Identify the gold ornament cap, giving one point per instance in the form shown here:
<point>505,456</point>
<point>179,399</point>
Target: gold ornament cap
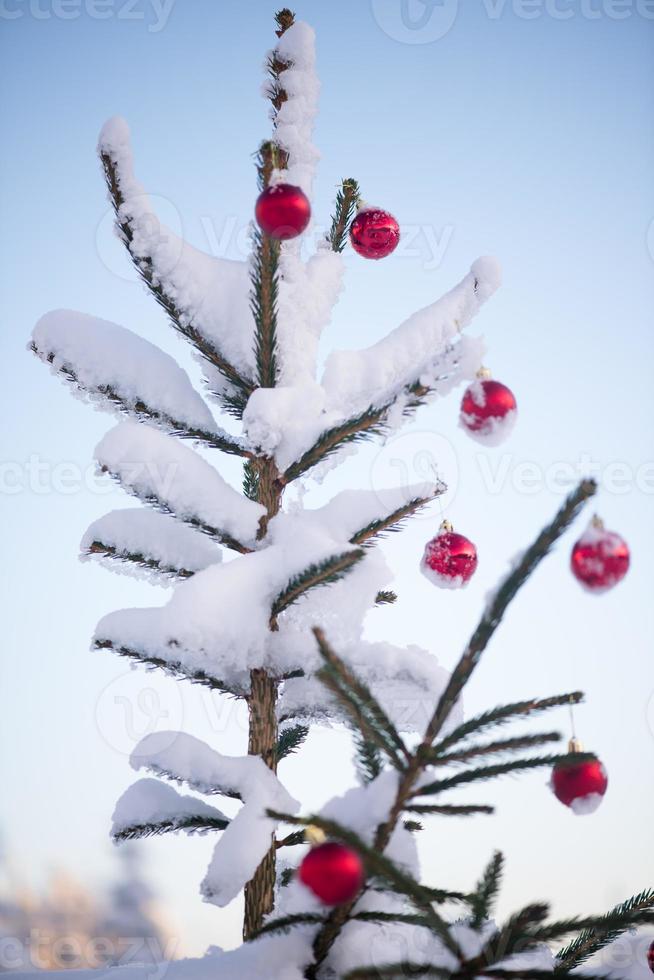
<point>574,745</point>
<point>484,373</point>
<point>446,527</point>
<point>597,522</point>
<point>314,835</point>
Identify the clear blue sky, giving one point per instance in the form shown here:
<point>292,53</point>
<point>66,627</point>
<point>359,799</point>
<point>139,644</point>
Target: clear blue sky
<point>528,138</point>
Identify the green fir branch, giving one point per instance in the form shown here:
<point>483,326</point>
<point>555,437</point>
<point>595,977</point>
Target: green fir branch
<point>526,974</point>
<point>368,758</point>
<point>290,740</point>
<point>286,923</point>
<point>264,294</point>
<point>514,936</point>
<point>489,622</point>
<point>484,895</point>
<point>251,480</point>
<point>295,839</point>
<point>501,769</point>
<point>379,866</point>
<point>594,937</point>
<point>413,826</point>
<point>265,259</point>
<point>104,550</point>
<point>323,573</point>
<point>495,748</point>
<point>502,715</point>
<point>399,971</point>
<point>188,824</point>
<point>360,722</point>
<point>348,202</point>
<point>276,93</point>
<point>285,877</point>
<point>398,918</point>
<point>385,598</point>
<point>338,676</point>
<point>174,668</point>
<point>394,521</point>
<point>449,809</point>
<point>356,429</point>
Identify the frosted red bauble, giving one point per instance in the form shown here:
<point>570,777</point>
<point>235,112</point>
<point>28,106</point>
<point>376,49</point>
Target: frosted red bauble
<point>488,411</point>
<point>600,558</point>
<point>580,785</point>
<point>333,872</point>
<point>450,559</point>
<point>374,233</point>
<point>283,211</point>
<point>650,957</point>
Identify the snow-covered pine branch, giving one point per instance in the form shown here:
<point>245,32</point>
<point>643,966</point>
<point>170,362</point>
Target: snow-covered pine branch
<point>122,373</point>
<point>162,472</point>
<point>206,297</point>
<point>149,808</point>
<point>409,360</point>
<point>218,622</point>
<point>373,391</point>
<point>147,543</point>
<point>247,837</point>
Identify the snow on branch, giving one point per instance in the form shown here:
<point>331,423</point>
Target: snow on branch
<point>161,471</point>
<point>164,658</point>
<point>371,392</point>
<point>324,443</point>
<point>206,298</point>
<point>408,356</point>
<point>186,759</point>
<point>294,92</point>
<point>150,807</point>
<point>305,292</point>
<point>147,543</point>
<point>322,573</point>
<point>127,375</point>
<point>248,836</point>
<point>219,620</point>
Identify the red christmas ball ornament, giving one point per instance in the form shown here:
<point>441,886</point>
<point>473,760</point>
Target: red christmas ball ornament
<point>650,957</point>
<point>374,233</point>
<point>600,558</point>
<point>579,785</point>
<point>488,410</point>
<point>333,872</point>
<point>283,211</point>
<point>450,559</point>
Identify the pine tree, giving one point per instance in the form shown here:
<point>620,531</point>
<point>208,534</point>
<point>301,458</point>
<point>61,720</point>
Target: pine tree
<point>279,624</point>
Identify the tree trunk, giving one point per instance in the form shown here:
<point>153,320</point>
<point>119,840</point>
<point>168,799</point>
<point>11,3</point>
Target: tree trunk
<point>260,891</point>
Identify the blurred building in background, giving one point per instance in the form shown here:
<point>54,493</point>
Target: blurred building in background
<point>68,926</point>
